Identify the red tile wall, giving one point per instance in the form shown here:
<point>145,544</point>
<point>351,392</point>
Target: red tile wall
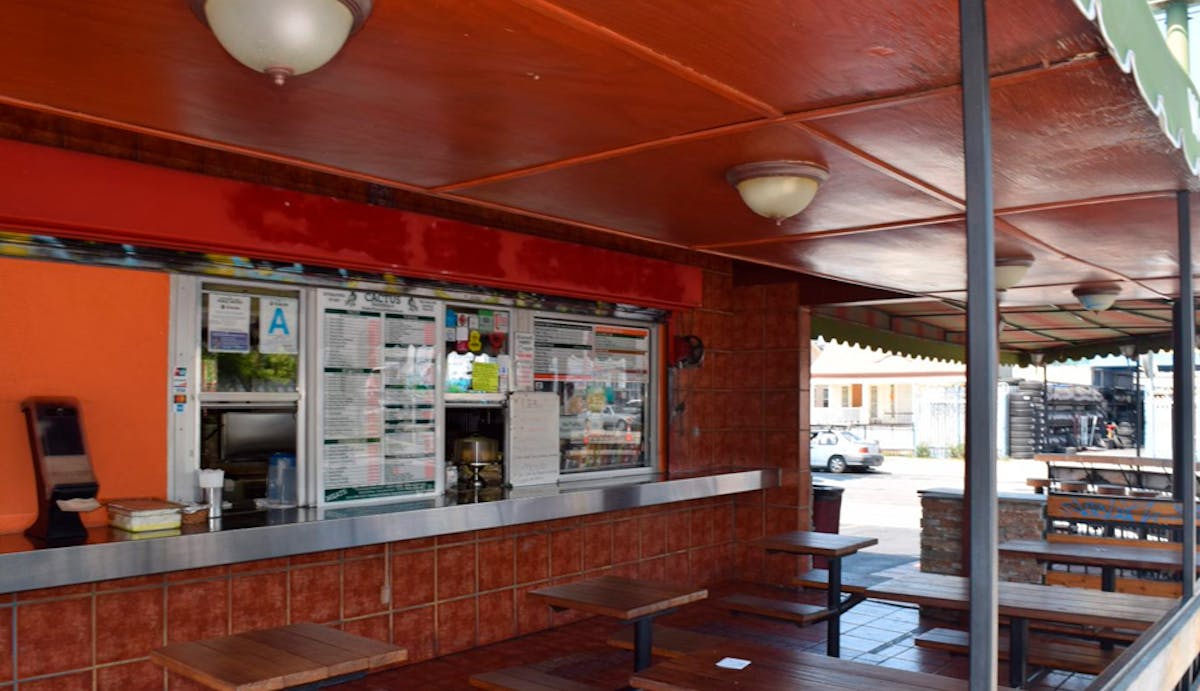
<point>432,596</point>
<point>748,405</point>
<point>745,406</point>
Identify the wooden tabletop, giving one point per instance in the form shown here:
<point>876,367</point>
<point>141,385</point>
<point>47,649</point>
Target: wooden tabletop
<point>618,597</point>
<point>1122,557</point>
<point>814,543</point>
<point>1031,601</point>
<point>277,658</point>
<point>772,669</point>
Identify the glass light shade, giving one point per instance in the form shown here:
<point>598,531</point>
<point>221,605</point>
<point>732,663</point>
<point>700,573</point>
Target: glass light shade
<point>280,37</point>
<point>1097,299</point>
<point>1010,271</point>
<point>777,189</point>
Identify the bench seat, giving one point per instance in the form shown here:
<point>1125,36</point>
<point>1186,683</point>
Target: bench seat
<point>819,580</point>
<point>669,641</point>
<point>1054,652</point>
<point>797,612</point>
<point>526,679</point>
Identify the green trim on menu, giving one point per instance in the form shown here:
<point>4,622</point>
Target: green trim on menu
<point>1139,48</point>
<point>376,491</point>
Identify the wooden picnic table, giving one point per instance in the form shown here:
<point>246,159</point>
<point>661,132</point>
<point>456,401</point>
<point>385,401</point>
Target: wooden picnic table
<point>277,658</point>
<point>771,669</point>
<point>627,599</point>
<point>1108,557</point>
<point>1022,602</point>
<point>833,547</point>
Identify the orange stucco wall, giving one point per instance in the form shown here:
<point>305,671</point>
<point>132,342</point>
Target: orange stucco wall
<point>97,334</point>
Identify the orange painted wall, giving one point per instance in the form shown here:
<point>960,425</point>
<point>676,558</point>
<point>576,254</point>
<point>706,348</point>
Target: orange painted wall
<point>100,335</point>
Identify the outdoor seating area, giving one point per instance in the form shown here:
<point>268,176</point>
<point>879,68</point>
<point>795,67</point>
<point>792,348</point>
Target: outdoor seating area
<point>656,635</point>
<point>596,653</point>
<point>680,638</point>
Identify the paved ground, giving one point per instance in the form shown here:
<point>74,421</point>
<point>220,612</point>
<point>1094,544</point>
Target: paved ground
<point>883,503</point>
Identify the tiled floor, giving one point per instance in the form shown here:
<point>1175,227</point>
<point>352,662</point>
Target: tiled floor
<point>873,632</point>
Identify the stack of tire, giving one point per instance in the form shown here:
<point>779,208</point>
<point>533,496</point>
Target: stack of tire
<point>1026,418</point>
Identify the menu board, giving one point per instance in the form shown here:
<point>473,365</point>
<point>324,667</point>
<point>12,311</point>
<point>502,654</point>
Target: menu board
<point>377,395</point>
<point>601,374</point>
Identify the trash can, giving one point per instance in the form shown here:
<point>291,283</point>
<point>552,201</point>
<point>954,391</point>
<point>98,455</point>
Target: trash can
<point>827,508</point>
<point>827,513</point>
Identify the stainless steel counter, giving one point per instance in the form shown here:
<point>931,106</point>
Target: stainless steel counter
<point>110,553</point>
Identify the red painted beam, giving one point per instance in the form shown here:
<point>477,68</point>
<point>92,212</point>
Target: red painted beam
<point>73,195</point>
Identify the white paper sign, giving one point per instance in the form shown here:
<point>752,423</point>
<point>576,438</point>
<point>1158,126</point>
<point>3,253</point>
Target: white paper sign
<point>277,325</point>
<point>228,323</point>
<point>533,455</point>
<point>733,663</point>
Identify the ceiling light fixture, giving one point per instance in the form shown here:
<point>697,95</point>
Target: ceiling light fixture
<point>1097,298</point>
<point>1010,271</point>
<point>777,189</point>
<point>282,38</point>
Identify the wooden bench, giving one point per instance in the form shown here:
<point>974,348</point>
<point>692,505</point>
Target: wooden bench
<point>526,679</point>
<point>818,579</point>
<point>797,612</point>
<point>1055,652</point>
<point>669,642</point>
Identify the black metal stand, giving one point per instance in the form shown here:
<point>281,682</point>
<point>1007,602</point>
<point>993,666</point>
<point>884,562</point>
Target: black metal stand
<point>833,601</point>
<point>1018,651</point>
<point>643,642</point>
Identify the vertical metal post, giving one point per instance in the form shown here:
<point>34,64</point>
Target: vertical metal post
<point>982,346</point>
<point>1184,410</point>
<point>1137,397</point>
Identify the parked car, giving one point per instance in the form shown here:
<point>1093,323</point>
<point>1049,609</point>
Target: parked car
<point>836,451</point>
<point>612,418</point>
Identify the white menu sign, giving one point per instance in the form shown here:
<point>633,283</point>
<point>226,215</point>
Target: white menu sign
<point>377,395</point>
<point>533,438</point>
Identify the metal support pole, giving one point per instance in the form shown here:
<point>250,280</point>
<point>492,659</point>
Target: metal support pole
<point>1184,410</point>
<point>1137,397</point>
<point>982,347</point>
<point>1177,32</point>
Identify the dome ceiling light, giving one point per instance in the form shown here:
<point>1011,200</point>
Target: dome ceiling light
<point>1010,271</point>
<point>282,38</point>
<point>1097,298</point>
<point>777,189</point>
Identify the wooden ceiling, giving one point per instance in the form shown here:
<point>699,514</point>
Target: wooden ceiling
<point>615,121</point>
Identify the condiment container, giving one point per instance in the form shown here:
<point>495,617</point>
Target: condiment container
<point>138,515</point>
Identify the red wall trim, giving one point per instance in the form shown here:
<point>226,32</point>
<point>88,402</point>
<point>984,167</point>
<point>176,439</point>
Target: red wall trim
<point>89,197</point>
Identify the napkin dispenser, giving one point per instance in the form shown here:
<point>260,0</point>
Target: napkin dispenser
<point>66,485</point>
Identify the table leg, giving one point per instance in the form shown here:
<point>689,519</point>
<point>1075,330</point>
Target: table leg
<point>1108,583</point>
<point>833,601</point>
<point>1108,578</point>
<point>643,642</point>
<point>1018,639</point>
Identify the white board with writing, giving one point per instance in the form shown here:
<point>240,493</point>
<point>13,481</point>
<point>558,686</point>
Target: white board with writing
<point>533,446</point>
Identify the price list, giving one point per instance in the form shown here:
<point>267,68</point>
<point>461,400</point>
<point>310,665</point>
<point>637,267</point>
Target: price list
<point>378,396</point>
